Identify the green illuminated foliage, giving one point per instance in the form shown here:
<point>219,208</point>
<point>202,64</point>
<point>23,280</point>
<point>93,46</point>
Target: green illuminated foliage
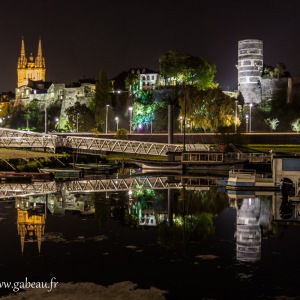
<point>192,70</point>
<point>207,110</point>
<point>79,115</point>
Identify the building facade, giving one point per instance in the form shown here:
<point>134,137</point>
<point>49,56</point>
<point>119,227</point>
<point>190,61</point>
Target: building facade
<point>31,68</point>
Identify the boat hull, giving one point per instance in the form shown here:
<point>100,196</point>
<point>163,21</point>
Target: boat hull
<point>161,167</point>
<point>248,180</point>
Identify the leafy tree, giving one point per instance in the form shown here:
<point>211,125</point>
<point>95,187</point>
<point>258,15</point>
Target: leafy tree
<point>277,72</point>
<point>207,109</point>
<point>280,71</point>
<point>80,115</point>
<point>183,67</point>
<point>296,125</point>
<point>101,99</point>
<point>34,117</point>
<point>273,123</point>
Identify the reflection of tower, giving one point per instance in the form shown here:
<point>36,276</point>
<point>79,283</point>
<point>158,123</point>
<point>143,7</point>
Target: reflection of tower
<point>250,67</point>
<point>248,234</point>
<point>31,68</point>
<point>31,225</point>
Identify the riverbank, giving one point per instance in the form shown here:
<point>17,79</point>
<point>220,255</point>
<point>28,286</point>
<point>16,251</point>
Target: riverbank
<point>7,153</point>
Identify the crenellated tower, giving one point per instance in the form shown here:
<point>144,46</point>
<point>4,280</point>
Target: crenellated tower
<point>31,68</point>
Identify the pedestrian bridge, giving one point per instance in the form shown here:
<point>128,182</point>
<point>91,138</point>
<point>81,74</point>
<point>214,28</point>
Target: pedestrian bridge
<point>11,190</point>
<point>10,138</point>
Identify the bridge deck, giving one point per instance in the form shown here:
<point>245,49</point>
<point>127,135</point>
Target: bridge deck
<point>27,139</point>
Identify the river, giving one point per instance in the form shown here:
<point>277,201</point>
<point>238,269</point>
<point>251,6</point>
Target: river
<point>151,239</point>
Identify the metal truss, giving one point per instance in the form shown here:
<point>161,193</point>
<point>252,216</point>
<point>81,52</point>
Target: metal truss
<point>84,186</point>
<point>124,184</point>
<point>10,138</point>
<point>100,185</point>
<point>125,146</point>
<point>10,190</point>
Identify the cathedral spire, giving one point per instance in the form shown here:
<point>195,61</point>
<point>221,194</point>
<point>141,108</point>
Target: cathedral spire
<point>23,48</point>
<point>39,60</point>
<point>39,54</point>
<point>22,61</point>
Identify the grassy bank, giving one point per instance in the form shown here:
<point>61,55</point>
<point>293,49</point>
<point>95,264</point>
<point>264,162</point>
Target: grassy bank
<point>284,148</point>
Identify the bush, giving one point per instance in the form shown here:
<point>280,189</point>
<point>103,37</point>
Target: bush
<point>121,134</point>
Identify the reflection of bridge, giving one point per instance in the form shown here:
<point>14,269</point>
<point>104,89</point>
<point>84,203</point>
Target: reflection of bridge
<point>84,186</point>
<point>26,139</point>
<point>100,185</point>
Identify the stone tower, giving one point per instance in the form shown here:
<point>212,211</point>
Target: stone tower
<point>31,68</point>
<point>250,67</point>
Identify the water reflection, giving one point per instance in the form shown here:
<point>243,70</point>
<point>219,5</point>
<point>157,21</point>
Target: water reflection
<point>30,221</point>
<point>183,210</point>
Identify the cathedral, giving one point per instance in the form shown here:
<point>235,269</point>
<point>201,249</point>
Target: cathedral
<point>31,68</point>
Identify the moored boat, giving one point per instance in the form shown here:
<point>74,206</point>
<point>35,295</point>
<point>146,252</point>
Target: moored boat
<point>25,176</point>
<point>247,179</point>
<point>209,162</point>
<point>64,173</point>
<point>162,166</point>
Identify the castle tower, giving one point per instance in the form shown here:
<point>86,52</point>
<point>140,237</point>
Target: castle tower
<point>250,67</point>
<point>31,68</point>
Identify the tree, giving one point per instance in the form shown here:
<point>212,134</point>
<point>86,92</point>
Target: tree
<point>272,123</point>
<point>34,117</point>
<point>296,125</point>
<point>79,116</point>
<point>183,67</point>
<point>207,110</point>
<point>101,99</point>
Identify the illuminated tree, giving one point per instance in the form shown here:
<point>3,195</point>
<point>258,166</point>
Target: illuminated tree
<point>296,125</point>
<point>79,115</point>
<point>208,109</point>
<point>181,67</point>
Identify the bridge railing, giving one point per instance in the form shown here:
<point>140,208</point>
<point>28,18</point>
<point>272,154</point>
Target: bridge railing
<point>10,138</point>
<point>128,146</point>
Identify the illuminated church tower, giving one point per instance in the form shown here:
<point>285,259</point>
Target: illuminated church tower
<point>31,68</point>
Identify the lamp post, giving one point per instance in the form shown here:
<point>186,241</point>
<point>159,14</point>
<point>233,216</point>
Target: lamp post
<point>130,120</point>
<point>250,117</point>
<point>107,105</point>
<point>181,120</point>
<point>117,120</point>
<point>57,123</point>
<point>77,116</point>
<point>46,119</point>
<point>235,122</point>
<point>151,122</point>
<point>27,120</point>
<point>247,119</point>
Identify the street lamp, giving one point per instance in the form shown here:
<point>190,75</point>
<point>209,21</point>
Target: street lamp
<point>130,121</point>
<point>107,105</point>
<point>117,120</point>
<point>57,123</point>
<point>247,119</point>
<point>235,122</point>
<point>77,116</point>
<point>250,117</point>
<point>181,120</point>
<point>151,122</point>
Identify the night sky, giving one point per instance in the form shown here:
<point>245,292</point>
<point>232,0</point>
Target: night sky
<point>80,38</point>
